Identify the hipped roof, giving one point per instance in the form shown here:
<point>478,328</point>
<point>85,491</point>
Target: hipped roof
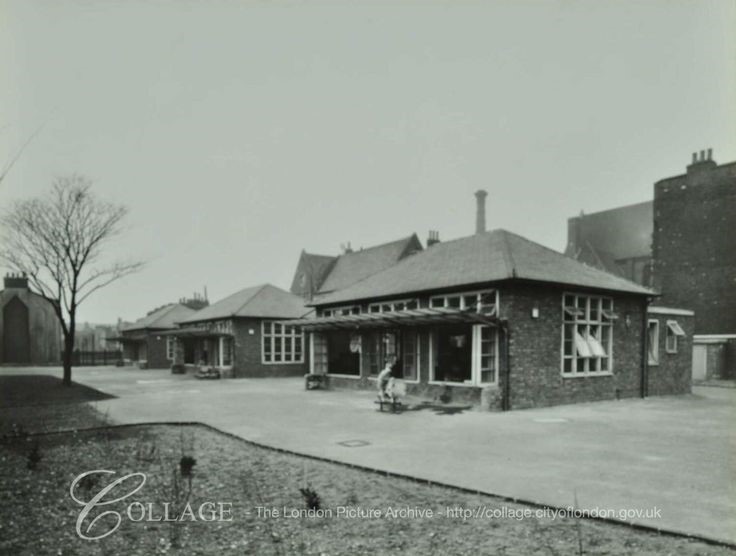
<point>487,257</point>
<point>264,301</point>
<point>161,318</point>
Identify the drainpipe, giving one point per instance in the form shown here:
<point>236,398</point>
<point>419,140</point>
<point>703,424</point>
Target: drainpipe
<point>506,403</point>
<point>645,349</point>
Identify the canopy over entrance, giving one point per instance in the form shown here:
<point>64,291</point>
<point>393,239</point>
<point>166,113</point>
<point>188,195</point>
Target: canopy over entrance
<point>194,332</point>
<point>409,317</point>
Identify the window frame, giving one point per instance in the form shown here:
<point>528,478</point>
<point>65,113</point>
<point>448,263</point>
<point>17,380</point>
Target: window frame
<point>381,305</point>
<point>462,295</point>
<point>576,316</point>
<point>170,348</point>
<point>653,355</point>
<point>282,336</point>
<point>475,358</point>
<point>672,331</point>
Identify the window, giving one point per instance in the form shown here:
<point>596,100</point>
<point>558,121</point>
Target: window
<point>482,302</point>
<point>587,335</point>
<point>341,311</point>
<point>281,344</point>
<point>226,351</point>
<point>653,341</point>
<point>319,354</point>
<point>409,354</point>
<point>170,348</point>
<point>390,306</point>
<point>465,354</point>
<point>673,331</point>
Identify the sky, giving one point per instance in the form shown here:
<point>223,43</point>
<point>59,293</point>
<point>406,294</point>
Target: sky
<point>240,132</point>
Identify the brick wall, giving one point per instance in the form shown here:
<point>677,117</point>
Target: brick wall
<point>693,247</point>
<point>673,373</point>
<point>535,350</point>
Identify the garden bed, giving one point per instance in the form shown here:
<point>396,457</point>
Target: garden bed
<point>37,514</point>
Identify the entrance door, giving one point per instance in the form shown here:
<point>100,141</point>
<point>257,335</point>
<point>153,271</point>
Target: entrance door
<point>700,362</point>
<point>16,333</point>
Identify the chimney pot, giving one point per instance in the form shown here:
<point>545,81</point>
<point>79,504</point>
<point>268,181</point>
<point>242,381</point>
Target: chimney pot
<point>710,154</point>
<point>702,156</point>
<point>480,215</point>
<point>695,157</point>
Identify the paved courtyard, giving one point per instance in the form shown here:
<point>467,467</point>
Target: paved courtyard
<point>673,453</point>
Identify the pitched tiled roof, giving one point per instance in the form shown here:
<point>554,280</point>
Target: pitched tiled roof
<point>258,301</point>
<point>161,318</point>
<point>310,272</point>
<point>357,265</point>
<point>486,257</point>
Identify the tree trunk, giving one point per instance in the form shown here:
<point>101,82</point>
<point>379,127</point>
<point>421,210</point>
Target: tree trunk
<point>68,354</point>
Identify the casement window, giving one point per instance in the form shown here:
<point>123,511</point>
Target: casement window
<point>391,306</point>
<point>653,341</point>
<point>484,302</point>
<point>226,351</point>
<point>587,335</point>
<point>170,348</point>
<point>674,330</point>
<point>341,311</point>
<point>464,354</point>
<point>318,357</point>
<point>281,344</point>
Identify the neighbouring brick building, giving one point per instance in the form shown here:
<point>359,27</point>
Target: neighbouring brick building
<point>493,319</point>
<point>144,343</point>
<point>241,335</point>
<point>29,328</point>
<point>694,250</point>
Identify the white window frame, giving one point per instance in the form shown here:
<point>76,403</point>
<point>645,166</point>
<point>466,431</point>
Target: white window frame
<point>296,333</point>
<point>221,352</point>
<point>170,348</point>
<point>653,343</point>
<point>340,311</point>
<point>475,358</point>
<point>591,346</point>
<point>672,332</point>
<point>462,295</point>
<point>381,305</point>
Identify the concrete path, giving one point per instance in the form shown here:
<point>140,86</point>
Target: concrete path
<point>673,453</point>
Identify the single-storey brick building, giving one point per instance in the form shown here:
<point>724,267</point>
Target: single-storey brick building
<point>493,319</point>
<point>144,342</point>
<point>241,335</point>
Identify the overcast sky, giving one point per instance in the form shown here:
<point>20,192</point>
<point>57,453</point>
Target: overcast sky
<point>239,133</point>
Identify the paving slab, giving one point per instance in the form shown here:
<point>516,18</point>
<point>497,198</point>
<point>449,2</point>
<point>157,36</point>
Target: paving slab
<point>675,454</point>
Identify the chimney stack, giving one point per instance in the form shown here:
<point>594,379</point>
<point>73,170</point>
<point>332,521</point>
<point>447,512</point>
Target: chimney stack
<point>480,216</point>
<point>702,160</point>
<point>434,237</point>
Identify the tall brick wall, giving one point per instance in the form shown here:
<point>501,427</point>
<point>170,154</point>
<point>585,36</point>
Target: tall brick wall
<point>535,350</point>
<point>694,249</point>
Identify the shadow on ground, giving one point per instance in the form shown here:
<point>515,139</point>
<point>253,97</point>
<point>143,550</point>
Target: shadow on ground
<point>28,390</point>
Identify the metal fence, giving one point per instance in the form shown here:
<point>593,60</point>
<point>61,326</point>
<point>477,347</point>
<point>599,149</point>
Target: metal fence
<point>90,358</point>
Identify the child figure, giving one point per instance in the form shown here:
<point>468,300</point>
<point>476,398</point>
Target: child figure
<point>384,377</point>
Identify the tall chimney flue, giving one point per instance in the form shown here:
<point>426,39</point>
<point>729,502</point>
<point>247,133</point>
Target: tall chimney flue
<point>480,215</point>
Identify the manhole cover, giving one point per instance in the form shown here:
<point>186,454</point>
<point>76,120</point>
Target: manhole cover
<point>353,443</point>
<point>550,420</point>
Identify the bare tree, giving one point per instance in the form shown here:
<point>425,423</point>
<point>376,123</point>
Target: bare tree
<point>58,242</point>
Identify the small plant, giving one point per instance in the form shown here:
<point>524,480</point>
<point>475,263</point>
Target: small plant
<point>186,465</point>
<point>311,498</point>
<point>34,456</point>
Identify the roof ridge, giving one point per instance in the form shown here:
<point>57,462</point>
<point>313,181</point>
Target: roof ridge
<point>508,257</point>
<point>364,249</point>
<point>259,289</point>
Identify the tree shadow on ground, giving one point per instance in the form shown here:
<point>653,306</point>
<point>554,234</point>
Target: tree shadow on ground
<point>30,390</point>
